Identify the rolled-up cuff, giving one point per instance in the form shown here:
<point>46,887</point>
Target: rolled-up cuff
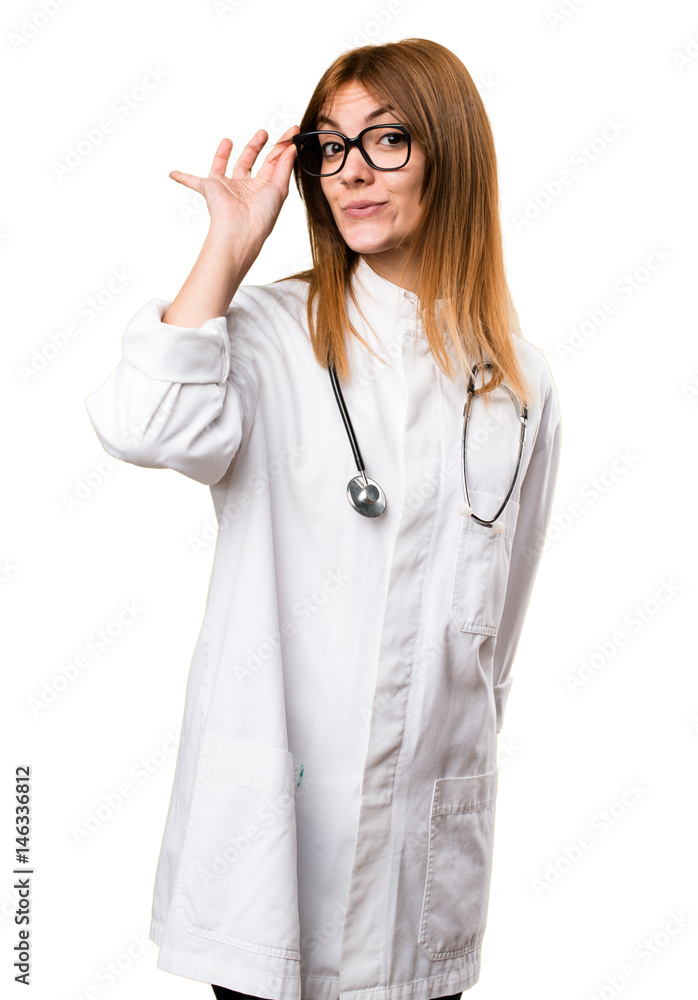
<point>170,353</point>
<point>501,693</point>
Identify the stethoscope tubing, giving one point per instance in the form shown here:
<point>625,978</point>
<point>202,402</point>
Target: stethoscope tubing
<point>523,417</point>
<point>347,419</point>
<point>357,491</point>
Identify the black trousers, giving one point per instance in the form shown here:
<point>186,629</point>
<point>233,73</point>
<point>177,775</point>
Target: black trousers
<point>222,993</point>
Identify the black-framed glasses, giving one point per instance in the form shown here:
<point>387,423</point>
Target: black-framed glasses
<point>323,153</point>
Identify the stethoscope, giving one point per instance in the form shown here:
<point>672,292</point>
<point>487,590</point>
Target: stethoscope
<point>366,496</point>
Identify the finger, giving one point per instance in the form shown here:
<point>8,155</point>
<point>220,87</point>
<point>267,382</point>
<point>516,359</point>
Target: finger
<point>189,180</point>
<point>220,160</point>
<point>243,165</point>
<point>279,154</point>
<point>283,168</point>
<point>277,169</point>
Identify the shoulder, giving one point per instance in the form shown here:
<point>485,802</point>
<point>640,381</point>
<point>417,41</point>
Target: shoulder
<point>545,403</point>
<point>271,307</point>
<point>535,365</point>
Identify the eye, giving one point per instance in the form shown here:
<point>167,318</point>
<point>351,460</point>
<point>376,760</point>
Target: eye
<point>331,148</point>
<point>398,136</point>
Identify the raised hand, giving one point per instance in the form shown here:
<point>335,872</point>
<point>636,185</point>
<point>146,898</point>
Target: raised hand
<point>244,207</point>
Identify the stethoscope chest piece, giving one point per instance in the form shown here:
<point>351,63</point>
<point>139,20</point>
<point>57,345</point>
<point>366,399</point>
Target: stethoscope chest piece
<point>366,496</point>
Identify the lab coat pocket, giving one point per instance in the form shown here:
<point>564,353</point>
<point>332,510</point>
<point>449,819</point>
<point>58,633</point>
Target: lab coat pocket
<point>461,841</point>
<point>482,565</point>
<point>237,879</point>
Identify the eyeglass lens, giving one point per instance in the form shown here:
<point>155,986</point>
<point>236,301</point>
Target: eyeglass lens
<point>322,152</point>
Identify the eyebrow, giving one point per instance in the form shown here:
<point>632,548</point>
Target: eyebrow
<point>369,117</point>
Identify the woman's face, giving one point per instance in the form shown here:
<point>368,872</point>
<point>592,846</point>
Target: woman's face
<point>386,233</point>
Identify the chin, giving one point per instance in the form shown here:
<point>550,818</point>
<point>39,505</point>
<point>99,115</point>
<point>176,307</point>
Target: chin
<point>365,243</point>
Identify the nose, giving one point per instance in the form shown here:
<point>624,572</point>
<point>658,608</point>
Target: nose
<point>355,167</point>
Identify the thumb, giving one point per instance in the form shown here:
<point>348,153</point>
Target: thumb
<point>188,180</point>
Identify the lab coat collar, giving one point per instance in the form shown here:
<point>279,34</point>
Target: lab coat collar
<point>386,293</point>
<point>403,302</point>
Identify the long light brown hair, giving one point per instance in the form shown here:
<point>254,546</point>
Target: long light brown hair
<point>457,245</point>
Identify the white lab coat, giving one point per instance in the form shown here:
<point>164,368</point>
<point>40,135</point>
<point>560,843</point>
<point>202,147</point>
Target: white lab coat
<point>330,831</point>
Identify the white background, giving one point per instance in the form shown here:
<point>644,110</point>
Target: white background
<point>616,585</point>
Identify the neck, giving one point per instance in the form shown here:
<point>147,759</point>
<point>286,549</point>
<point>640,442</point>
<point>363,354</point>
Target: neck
<point>390,264</point>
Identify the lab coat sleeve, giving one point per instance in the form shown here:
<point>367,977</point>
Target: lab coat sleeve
<point>535,508</point>
<point>181,398</point>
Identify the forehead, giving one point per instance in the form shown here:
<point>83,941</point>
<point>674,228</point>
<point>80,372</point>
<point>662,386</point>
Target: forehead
<point>352,101</point>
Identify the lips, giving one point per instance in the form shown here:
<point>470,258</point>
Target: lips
<point>362,209</point>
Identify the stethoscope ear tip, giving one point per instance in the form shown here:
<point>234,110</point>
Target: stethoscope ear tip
<point>464,509</point>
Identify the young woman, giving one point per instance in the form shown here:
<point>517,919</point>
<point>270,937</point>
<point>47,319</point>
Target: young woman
<point>331,826</point>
